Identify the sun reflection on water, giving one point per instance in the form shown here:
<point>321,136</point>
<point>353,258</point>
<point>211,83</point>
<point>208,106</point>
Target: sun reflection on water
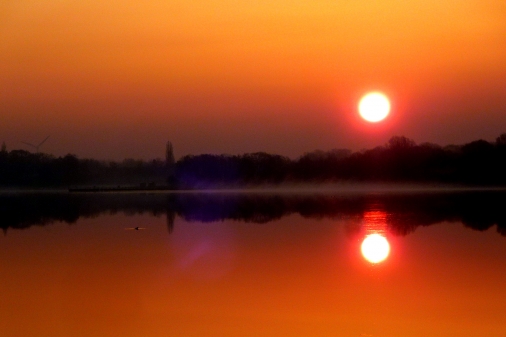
<point>375,222</point>
<point>375,247</point>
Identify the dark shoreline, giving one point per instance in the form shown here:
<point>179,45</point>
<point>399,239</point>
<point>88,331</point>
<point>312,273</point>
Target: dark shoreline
<point>120,189</point>
<point>343,187</point>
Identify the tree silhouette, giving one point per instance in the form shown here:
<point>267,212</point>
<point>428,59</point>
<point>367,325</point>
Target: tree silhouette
<point>399,160</point>
<point>400,142</point>
<point>501,140</point>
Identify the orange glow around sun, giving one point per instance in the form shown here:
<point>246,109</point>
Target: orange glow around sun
<point>374,107</point>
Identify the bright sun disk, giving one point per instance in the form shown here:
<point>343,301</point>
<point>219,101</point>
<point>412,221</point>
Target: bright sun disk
<point>374,107</point>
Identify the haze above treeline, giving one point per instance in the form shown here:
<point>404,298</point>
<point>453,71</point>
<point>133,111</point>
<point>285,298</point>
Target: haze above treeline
<point>400,160</point>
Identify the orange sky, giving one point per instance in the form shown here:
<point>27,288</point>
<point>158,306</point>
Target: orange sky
<point>118,79</point>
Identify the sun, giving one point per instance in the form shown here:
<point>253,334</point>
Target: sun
<point>375,248</point>
<point>374,107</point>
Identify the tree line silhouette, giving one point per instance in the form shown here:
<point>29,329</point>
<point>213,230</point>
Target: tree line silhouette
<point>400,160</point>
<point>402,213</point>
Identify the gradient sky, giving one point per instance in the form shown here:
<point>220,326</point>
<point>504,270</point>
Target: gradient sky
<point>116,79</point>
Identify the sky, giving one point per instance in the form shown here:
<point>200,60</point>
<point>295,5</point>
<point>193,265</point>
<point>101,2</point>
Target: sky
<point>118,79</point>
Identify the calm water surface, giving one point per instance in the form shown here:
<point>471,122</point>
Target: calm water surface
<point>252,264</point>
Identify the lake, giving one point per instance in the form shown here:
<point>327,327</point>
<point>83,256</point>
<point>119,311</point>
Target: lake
<point>275,263</point>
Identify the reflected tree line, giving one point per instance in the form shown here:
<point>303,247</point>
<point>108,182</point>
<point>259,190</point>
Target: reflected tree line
<point>403,212</point>
<point>399,160</point>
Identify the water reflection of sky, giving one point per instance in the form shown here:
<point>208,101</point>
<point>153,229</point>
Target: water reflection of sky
<point>294,276</point>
